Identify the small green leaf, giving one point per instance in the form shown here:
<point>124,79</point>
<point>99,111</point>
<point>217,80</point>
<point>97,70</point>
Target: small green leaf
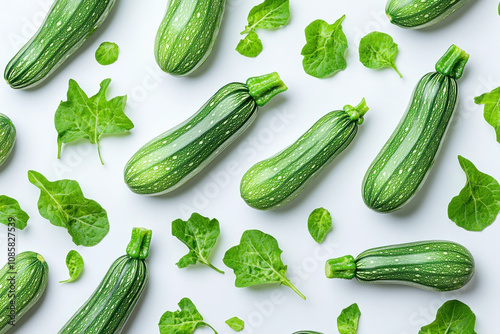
<point>107,53</point>
<point>74,262</point>
<point>325,48</point>
<point>271,14</point>
<point>453,317</point>
<point>10,211</point>
<point>347,321</point>
<point>184,321</point>
<point>378,50</point>
<point>478,203</point>
<point>250,46</point>
<point>199,234</point>
<point>319,224</point>
<point>491,103</point>
<point>236,324</point>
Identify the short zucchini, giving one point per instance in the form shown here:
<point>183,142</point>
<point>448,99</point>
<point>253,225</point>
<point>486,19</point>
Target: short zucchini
<point>431,265</point>
<point>111,304</point>
<point>69,23</point>
<point>399,170</point>
<point>7,137</point>
<point>276,181</point>
<point>28,278</point>
<point>187,34</point>
<point>171,159</point>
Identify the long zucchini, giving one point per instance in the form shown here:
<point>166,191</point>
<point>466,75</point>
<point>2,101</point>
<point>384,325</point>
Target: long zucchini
<point>7,137</point>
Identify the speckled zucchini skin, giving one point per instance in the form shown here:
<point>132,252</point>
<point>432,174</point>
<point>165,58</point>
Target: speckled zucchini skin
<point>7,137</point>
<point>187,34</point>
<point>67,26</point>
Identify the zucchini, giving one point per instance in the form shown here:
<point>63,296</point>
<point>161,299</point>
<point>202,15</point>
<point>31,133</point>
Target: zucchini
<point>7,137</point>
<point>187,34</point>
<point>400,169</point>
<point>172,158</point>
<point>415,14</point>
<point>69,23</point>
<point>31,274</point>
<point>431,265</point>
<point>276,181</point>
<point>111,304</point>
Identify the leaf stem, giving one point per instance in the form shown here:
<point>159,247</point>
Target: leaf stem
<point>214,268</point>
<point>99,152</point>
<point>397,71</point>
<point>208,325</point>
<point>289,284</point>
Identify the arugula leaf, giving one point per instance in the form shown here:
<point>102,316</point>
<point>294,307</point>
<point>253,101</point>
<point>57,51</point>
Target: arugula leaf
<point>478,203</point>
<point>491,103</point>
<point>107,53</point>
<point>74,262</point>
<point>63,204</point>
<point>378,50</point>
<point>250,46</point>
<point>257,260</point>
<point>453,317</point>
<point>236,324</point>
<point>319,224</point>
<point>199,234</point>
<point>184,321</point>
<point>348,320</point>
<point>271,14</point>
<point>81,117</point>
<point>325,48</point>
<point>10,211</point>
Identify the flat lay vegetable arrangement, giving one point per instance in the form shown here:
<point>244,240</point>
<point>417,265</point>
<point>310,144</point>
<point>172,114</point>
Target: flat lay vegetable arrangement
<point>231,220</point>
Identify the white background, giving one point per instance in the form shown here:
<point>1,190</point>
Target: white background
<point>158,101</point>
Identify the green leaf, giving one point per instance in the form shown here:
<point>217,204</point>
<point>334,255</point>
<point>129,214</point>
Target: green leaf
<point>74,262</point>
<point>271,14</point>
<point>10,211</point>
<point>491,103</point>
<point>81,117</point>
<point>236,324</point>
<point>378,50</point>
<point>250,46</point>
<point>184,321</point>
<point>257,260</point>
<point>107,53</point>
<point>199,234</point>
<point>347,321</point>
<point>63,204</point>
<point>478,203</point>
<point>453,317</point>
<point>325,48</point>
<point>319,224</point>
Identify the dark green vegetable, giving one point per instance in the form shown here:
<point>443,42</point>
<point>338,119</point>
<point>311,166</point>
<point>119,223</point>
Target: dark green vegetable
<point>378,50</point>
<point>74,262</point>
<point>184,321</point>
<point>7,137</point>
<point>107,53</point>
<point>11,212</point>
<point>491,102</point>
<point>453,317</point>
<point>319,224</point>
<point>348,320</point>
<point>236,324</point>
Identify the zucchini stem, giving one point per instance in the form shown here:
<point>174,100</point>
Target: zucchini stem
<point>356,113</point>
<point>341,267</point>
<point>138,247</point>
<point>265,87</point>
<point>453,62</point>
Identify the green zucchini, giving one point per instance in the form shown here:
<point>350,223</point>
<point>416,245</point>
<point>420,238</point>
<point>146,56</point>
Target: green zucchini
<point>415,14</point>
<point>111,304</point>
<point>28,276</point>
<point>431,265</point>
<point>276,181</point>
<point>7,137</point>
<point>187,34</point>
<point>172,158</point>
<point>69,23</point>
<point>399,170</point>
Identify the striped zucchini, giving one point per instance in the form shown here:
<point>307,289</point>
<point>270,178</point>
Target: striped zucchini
<point>431,265</point>
<point>111,304</point>
<point>171,159</point>
<point>67,26</point>
<point>7,137</point>
<point>276,181</point>
<point>187,34</point>
<point>404,162</point>
<point>28,278</point>
<point>415,14</point>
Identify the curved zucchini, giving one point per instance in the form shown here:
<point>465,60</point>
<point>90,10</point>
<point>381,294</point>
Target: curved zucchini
<point>67,26</point>
<point>431,265</point>
<point>415,14</point>
<point>7,137</point>
<point>276,181</point>
<point>171,159</point>
<point>111,304</point>
<point>30,281</point>
<point>187,34</point>
<point>399,170</point>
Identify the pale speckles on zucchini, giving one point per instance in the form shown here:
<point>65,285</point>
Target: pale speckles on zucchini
<point>7,137</point>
